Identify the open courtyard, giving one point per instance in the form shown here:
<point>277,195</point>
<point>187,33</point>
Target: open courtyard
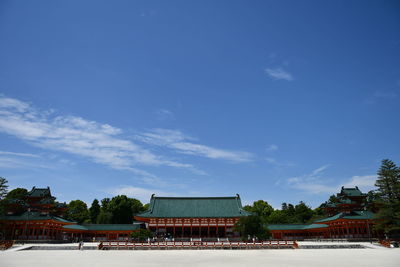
<point>276,257</point>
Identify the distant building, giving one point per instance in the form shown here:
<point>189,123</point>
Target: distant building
<point>37,200</point>
<point>348,200</point>
<point>193,216</point>
<point>347,218</point>
<point>37,217</point>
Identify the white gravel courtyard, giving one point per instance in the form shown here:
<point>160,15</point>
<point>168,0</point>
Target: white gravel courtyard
<point>283,257</point>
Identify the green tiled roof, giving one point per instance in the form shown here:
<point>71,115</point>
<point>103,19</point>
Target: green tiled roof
<point>194,207</point>
<point>295,226</point>
<point>345,200</point>
<point>360,215</point>
<point>103,227</point>
<point>33,216</point>
<point>355,215</point>
<point>39,192</point>
<point>353,192</point>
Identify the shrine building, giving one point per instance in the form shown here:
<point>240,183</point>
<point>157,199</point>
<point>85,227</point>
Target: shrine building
<point>38,216</point>
<point>347,218</point>
<point>193,216</point>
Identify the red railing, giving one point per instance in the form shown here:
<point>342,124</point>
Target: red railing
<point>198,245</point>
<point>385,243</point>
<point>6,244</point>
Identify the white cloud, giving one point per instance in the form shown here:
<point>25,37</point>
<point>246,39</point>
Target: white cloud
<point>272,147</point>
<point>381,96</point>
<point>181,143</point>
<point>275,162</point>
<point>102,143</point>
<point>319,170</point>
<point>164,114</point>
<point>10,162</point>
<point>279,74</point>
<point>143,194</point>
<point>365,183</point>
<point>314,183</point>
<point>18,154</point>
<point>385,94</point>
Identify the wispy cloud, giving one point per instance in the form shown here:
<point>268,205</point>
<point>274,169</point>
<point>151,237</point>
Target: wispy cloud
<point>277,163</point>
<point>311,182</point>
<point>143,194</point>
<point>366,182</point>
<point>316,183</point>
<point>12,160</point>
<point>164,114</point>
<point>279,74</point>
<point>272,147</point>
<point>381,95</point>
<point>181,143</point>
<point>18,154</point>
<point>102,143</point>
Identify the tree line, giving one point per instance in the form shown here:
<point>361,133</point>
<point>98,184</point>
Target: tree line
<point>384,201</point>
<point>118,210</point>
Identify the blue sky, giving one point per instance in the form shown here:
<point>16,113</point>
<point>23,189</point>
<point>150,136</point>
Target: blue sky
<point>276,100</point>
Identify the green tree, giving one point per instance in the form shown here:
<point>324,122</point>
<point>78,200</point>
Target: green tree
<point>104,217</point>
<point>3,187</point>
<point>278,217</point>
<point>333,199</point>
<point>388,181</point>
<point>123,209</point>
<point>262,208</point>
<point>303,213</point>
<point>388,194</point>
<point>94,211</point>
<point>17,193</point>
<point>252,226</point>
<point>77,211</point>
<point>142,235</point>
<point>146,206</point>
<point>3,193</point>
<point>104,203</point>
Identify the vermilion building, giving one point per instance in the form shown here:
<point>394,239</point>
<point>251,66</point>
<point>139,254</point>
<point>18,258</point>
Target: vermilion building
<point>193,216</point>
<point>348,219</point>
<point>35,217</point>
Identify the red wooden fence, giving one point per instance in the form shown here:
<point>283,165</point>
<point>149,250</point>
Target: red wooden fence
<point>198,245</point>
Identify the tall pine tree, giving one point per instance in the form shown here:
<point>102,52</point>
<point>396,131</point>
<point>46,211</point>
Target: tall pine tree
<point>94,211</point>
<point>388,184</point>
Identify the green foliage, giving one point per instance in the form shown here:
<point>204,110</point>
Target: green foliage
<point>142,235</point>
<point>146,206</point>
<point>120,209</point>
<point>388,181</point>
<point>17,193</point>
<point>300,213</point>
<point>3,193</point>
<point>252,226</point>
<point>262,208</point>
<point>77,211</point>
<point>3,187</point>
<point>388,198</point>
<point>303,213</point>
<point>94,211</point>
<point>104,203</point>
<point>333,199</point>
<point>104,217</point>
<point>278,217</point>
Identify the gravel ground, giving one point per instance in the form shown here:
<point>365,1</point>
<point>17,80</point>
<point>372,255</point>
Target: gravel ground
<point>283,257</point>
